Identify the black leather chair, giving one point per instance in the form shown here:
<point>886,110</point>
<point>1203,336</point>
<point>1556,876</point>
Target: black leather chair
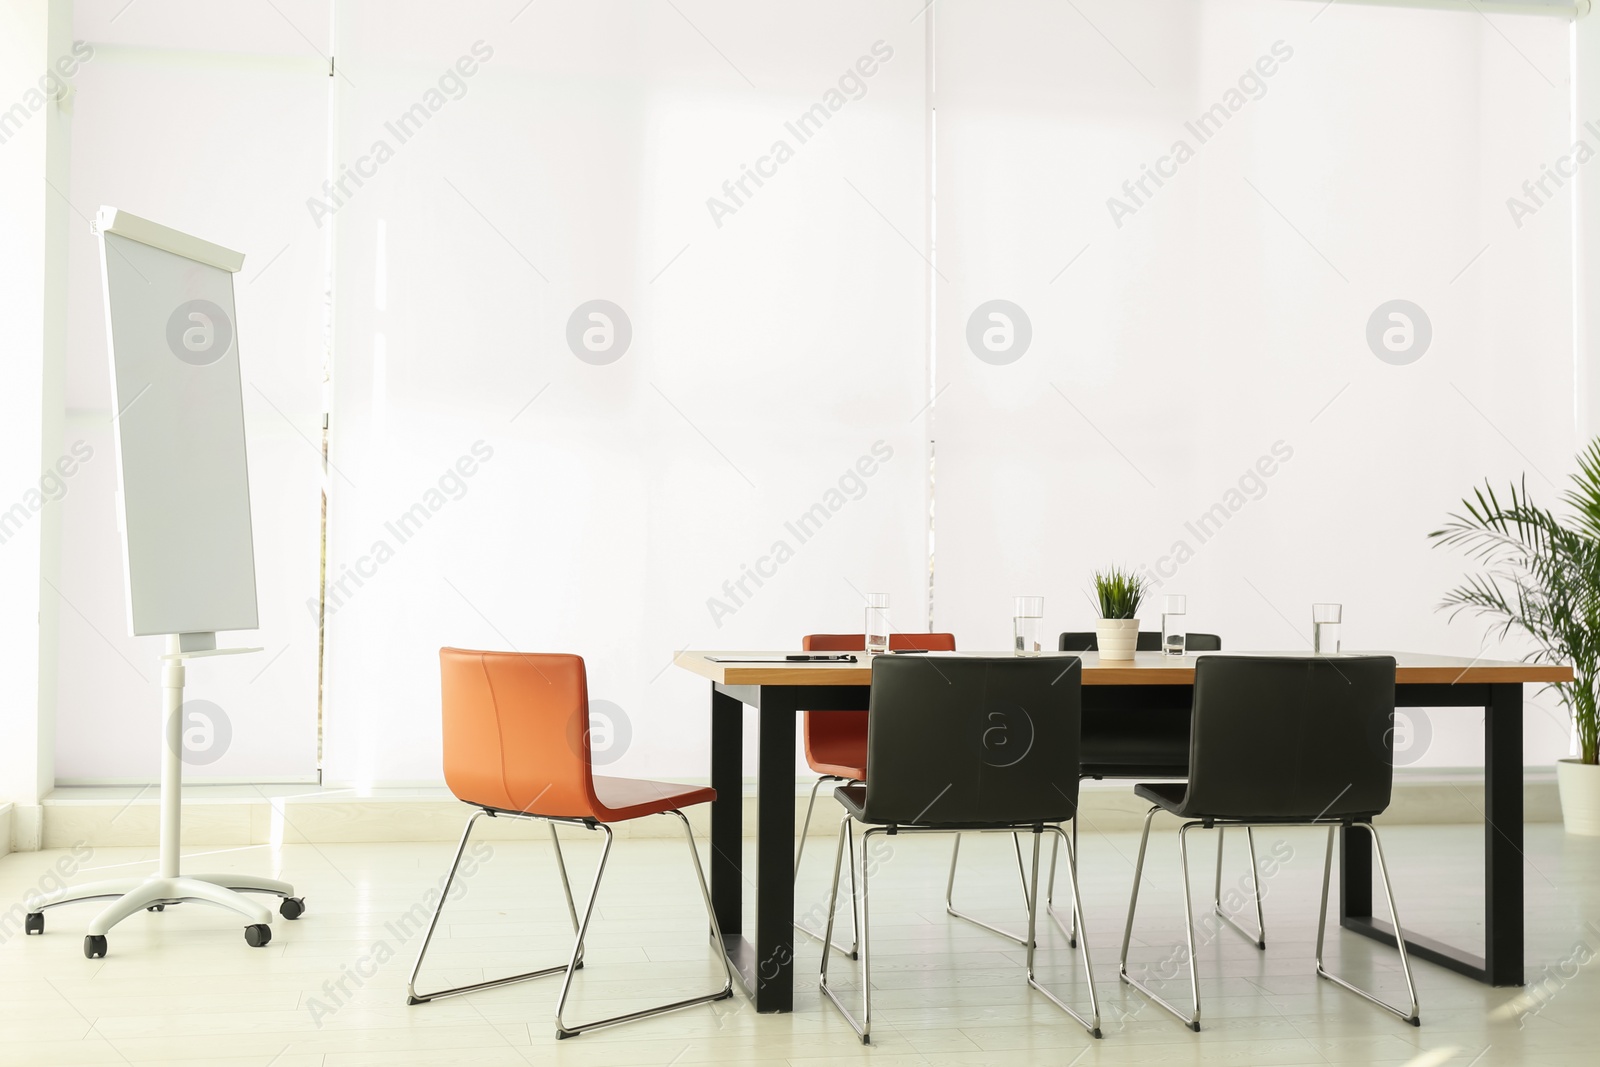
<point>979,744</point>
<point>1149,740</point>
<point>1282,740</point>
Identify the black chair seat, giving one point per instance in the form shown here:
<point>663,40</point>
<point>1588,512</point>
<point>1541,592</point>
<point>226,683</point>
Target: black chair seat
<point>853,798</point>
<point>1170,795</point>
<point>1167,794</point>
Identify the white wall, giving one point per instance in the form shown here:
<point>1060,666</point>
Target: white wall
<point>1228,313</point>
<point>775,343</point>
<point>769,353</point>
<point>209,120</point>
<point>32,160</point>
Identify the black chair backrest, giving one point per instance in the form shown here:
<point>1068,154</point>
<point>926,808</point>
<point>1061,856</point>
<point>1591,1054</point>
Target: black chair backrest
<point>973,741</point>
<point>1291,737</point>
<point>1149,641</point>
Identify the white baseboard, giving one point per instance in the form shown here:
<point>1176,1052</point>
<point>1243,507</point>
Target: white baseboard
<point>22,828</point>
<point>229,816</point>
<point>5,828</point>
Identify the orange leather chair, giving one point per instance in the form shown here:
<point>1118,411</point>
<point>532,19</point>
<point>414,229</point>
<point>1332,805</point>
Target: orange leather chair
<point>836,744</point>
<point>516,744</point>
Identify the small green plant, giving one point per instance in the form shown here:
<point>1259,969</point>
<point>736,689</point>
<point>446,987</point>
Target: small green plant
<point>1542,578</point>
<point>1117,593</point>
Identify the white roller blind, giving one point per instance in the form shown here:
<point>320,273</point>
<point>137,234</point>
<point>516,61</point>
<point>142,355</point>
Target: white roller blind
<point>750,461</point>
<point>1199,207</point>
<point>208,120</point>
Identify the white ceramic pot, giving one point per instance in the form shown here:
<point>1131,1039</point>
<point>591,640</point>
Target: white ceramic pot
<point>1117,638</point>
<point>1579,784</point>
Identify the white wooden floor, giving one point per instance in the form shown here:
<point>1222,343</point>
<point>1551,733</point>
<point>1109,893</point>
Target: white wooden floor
<point>182,987</point>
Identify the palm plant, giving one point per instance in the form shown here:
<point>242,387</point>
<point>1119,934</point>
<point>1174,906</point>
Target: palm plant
<point>1117,593</point>
<point>1541,576</point>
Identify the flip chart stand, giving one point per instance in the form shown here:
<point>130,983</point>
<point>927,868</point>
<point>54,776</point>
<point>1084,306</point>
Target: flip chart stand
<point>129,896</point>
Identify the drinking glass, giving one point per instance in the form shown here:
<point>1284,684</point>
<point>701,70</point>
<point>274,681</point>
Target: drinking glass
<point>1174,633</point>
<point>1027,623</point>
<point>1325,621</point>
<point>877,628</point>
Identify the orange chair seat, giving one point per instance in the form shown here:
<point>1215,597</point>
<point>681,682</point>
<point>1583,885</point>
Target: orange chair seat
<point>844,756</point>
<point>634,798</point>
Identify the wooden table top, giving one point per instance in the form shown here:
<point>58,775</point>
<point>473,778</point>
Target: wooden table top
<point>1146,668</point>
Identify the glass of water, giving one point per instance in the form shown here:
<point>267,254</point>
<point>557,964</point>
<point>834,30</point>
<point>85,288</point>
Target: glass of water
<point>1325,621</point>
<point>1174,633</point>
<point>1027,625</point>
<point>877,628</point>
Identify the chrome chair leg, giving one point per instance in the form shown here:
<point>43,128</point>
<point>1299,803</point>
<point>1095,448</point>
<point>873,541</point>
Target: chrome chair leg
<point>855,928</point>
<point>563,1029</point>
<point>1192,1020</point>
<point>864,1027</point>
<point>1091,1024</point>
<point>1070,927</point>
<point>866,947</point>
<point>413,997</point>
<point>833,901</point>
<point>1133,901</point>
<point>1260,936</point>
<point>1414,1016</point>
<point>950,888</point>
<point>566,885</point>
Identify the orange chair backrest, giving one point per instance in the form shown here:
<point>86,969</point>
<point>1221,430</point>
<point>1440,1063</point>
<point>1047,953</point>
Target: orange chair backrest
<point>516,731</point>
<point>851,726</point>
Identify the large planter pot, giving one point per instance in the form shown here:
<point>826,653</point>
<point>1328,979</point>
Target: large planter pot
<point>1579,784</point>
<point>1117,638</point>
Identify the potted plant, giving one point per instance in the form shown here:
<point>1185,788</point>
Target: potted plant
<point>1117,594</point>
<point>1542,577</point>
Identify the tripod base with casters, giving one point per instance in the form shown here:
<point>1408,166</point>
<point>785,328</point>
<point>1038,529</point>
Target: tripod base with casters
<point>155,893</point>
<point>129,896</point>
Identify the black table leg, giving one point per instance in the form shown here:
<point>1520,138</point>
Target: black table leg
<point>766,967</point>
<point>1503,857</point>
<point>1501,963</point>
<point>1355,872</point>
<point>774,945</point>
<point>727,819</point>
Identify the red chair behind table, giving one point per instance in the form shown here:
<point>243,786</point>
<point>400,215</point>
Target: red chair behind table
<point>516,744</point>
<point>836,742</point>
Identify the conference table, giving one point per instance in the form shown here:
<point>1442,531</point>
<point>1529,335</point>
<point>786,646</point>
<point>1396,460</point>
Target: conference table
<point>778,691</point>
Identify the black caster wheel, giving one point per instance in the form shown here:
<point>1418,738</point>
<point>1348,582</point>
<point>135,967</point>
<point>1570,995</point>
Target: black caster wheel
<point>94,947</point>
<point>292,907</point>
<point>156,907</point>
<point>257,934</point>
<point>34,923</point>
